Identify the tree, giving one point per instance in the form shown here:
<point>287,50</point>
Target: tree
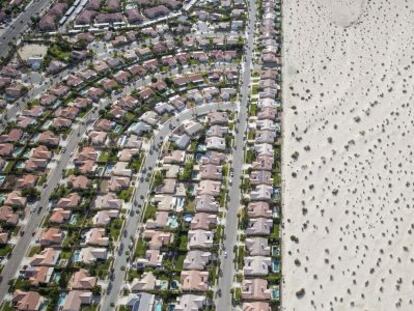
<point>30,193</point>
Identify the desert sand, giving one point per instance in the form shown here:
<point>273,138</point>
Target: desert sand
<point>348,207</point>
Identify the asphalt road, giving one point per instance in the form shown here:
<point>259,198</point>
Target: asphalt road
<point>225,282</point>
<point>20,25</point>
<point>20,249</point>
<point>141,193</point>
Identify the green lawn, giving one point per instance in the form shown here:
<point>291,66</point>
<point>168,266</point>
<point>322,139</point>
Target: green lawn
<point>240,257</point>
<point>126,194</point>
<point>273,278</point>
<point>9,167</point>
<point>100,269</point>
<point>6,306</point>
<point>34,250</point>
<point>183,243</point>
<point>104,157</point>
<point>5,250</point>
<point>255,89</point>
<point>132,274</point>
<point>253,110</point>
<point>179,262</point>
<point>185,175</point>
<point>129,116</point>
<point>222,197</point>
<point>274,236</point>
<point>158,179</point>
<point>136,163</point>
<point>250,156</point>
<point>65,254</point>
<point>189,206</point>
<point>57,52</point>
<point>72,239</point>
<point>90,308</point>
<point>115,228</point>
<point>237,295</point>
<point>150,211</point>
<point>251,135</point>
<point>212,274</point>
<point>245,186</point>
<point>225,170</point>
<point>141,248</point>
<point>277,179</point>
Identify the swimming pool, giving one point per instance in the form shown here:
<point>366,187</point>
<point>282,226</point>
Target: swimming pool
<point>174,284</point>
<point>73,220</point>
<point>62,297</point>
<point>118,129</point>
<point>122,141</point>
<point>201,148</point>
<point>76,256</point>
<point>275,250</point>
<point>172,222</point>
<point>17,151</point>
<point>275,266</point>
<point>56,277</point>
<point>162,284</point>
<point>188,217</point>
<point>275,293</point>
<point>158,306</point>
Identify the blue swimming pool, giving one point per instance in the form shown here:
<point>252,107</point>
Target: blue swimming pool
<point>174,284</point>
<point>275,266</point>
<point>73,219</point>
<point>275,293</point>
<point>61,300</point>
<point>172,222</point>
<point>76,256</point>
<point>158,306</point>
<point>56,277</point>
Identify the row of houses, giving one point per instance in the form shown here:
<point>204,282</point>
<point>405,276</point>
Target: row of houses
<point>261,270</point>
<point>105,12</point>
<point>95,190</point>
<point>13,87</point>
<point>76,242</point>
<point>28,147</point>
<point>183,222</point>
<point>65,115</point>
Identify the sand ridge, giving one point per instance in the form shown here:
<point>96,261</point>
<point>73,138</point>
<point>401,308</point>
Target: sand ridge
<point>348,168</point>
<point>346,13</point>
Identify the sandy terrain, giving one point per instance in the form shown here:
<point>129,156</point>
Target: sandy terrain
<point>348,237</point>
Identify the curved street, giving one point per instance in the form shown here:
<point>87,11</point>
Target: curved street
<point>141,191</point>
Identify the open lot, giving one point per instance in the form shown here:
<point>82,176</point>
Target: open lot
<point>348,167</point>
